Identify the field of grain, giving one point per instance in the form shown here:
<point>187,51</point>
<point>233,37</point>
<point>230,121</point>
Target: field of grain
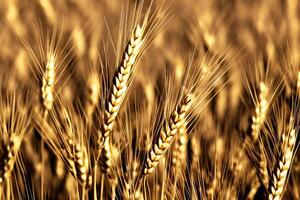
<point>149,99</point>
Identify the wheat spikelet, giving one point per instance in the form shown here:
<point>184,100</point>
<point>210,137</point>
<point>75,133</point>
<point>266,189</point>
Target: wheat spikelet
<point>64,132</point>
<point>93,93</point>
<point>105,160</point>
<point>279,177</point>
<point>15,119</point>
<point>79,163</point>
<point>178,153</point>
<point>129,190</point>
<point>263,167</point>
<point>177,159</point>
<point>48,84</point>
<point>8,161</point>
<point>260,111</point>
<point>167,133</point>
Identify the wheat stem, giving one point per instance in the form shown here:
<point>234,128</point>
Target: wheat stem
<point>298,84</point>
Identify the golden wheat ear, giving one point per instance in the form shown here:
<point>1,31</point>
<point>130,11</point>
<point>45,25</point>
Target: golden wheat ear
<point>15,119</point>
<point>262,89</point>
<point>287,144</point>
<point>118,92</point>
<point>50,57</point>
<point>140,38</point>
<point>66,134</point>
<point>167,134</point>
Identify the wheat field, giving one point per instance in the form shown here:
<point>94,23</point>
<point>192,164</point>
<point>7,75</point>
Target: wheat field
<point>149,99</point>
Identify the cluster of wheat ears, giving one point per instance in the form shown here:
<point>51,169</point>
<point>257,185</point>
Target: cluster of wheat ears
<point>149,99</point>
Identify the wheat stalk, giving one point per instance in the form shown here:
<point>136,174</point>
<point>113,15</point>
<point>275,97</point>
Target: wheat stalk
<point>298,84</point>
<point>279,177</point>
<point>167,133</point>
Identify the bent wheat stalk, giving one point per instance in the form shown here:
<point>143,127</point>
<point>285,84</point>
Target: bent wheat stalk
<point>167,133</point>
